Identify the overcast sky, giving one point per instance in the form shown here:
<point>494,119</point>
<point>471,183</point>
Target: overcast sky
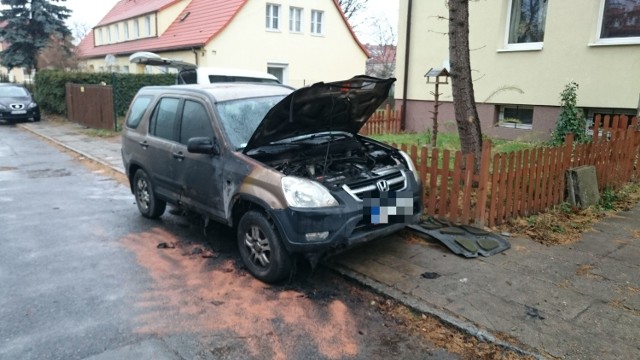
<point>90,12</point>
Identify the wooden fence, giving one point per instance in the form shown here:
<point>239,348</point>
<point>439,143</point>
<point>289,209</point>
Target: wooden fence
<point>526,182</point>
<point>90,105</point>
<point>385,121</point>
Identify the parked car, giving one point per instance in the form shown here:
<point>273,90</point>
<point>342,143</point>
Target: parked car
<point>287,169</point>
<point>189,73</point>
<point>17,104</point>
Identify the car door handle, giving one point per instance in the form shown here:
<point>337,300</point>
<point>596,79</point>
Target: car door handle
<point>144,144</point>
<point>178,156</point>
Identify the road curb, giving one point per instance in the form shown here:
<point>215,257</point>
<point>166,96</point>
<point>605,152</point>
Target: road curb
<point>420,306</point>
<point>71,148</point>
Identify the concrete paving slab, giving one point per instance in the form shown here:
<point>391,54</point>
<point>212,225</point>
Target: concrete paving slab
<point>149,349</point>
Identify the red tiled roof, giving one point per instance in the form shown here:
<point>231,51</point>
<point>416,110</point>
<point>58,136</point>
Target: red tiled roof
<point>207,18</point>
<point>126,9</point>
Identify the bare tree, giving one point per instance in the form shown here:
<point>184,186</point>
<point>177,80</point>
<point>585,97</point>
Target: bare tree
<point>351,9</point>
<point>383,52</point>
<point>79,30</point>
<point>464,102</point>
<point>59,54</point>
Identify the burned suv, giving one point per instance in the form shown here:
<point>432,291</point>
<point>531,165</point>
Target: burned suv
<point>286,168</point>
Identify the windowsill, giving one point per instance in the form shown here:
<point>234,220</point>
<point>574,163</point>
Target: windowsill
<point>296,32</point>
<point>318,35</point>
<point>273,30</point>
<point>616,42</point>
<point>515,126</point>
<point>521,47</point>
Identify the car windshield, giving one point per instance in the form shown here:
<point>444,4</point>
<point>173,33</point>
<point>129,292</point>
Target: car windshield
<point>241,117</point>
<point>13,91</point>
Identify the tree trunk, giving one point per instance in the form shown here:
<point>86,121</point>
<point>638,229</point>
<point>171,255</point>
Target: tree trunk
<point>461,82</point>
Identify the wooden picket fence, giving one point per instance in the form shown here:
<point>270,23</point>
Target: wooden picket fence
<point>385,121</point>
<point>523,183</point>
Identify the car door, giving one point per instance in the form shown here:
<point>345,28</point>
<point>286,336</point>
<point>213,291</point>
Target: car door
<point>160,160</point>
<point>200,175</point>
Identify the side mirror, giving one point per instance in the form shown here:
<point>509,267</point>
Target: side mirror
<point>203,145</point>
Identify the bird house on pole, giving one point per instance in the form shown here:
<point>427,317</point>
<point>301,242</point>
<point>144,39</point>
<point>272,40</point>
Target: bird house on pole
<point>436,76</point>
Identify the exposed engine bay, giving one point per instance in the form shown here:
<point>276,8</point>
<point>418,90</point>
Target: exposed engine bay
<point>334,163</point>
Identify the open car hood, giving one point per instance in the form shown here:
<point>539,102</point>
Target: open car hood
<point>335,106</point>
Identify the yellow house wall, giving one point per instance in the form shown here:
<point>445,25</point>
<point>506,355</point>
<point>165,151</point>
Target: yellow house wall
<point>607,75</point>
<point>245,43</point>
<point>122,61</point>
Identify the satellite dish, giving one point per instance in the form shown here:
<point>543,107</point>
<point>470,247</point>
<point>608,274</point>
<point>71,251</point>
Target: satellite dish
<point>110,60</point>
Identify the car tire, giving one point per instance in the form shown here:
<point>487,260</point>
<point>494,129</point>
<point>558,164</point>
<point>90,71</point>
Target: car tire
<point>148,203</point>
<point>261,249</point>
<point>36,118</point>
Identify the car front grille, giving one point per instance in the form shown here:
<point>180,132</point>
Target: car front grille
<point>397,181</point>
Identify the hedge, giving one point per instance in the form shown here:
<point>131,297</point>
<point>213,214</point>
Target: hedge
<point>50,87</point>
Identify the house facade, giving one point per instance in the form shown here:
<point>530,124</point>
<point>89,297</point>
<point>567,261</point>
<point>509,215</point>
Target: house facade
<point>523,53</point>
<point>299,41</point>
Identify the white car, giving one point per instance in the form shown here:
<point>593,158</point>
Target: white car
<point>189,73</point>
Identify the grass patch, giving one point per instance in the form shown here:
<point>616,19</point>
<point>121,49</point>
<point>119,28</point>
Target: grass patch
<point>450,141</point>
<point>101,133</point>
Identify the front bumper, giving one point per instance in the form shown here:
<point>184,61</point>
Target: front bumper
<point>29,114</point>
<point>345,224</point>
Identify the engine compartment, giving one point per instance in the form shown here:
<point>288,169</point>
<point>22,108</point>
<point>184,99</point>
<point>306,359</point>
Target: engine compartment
<point>335,163</point>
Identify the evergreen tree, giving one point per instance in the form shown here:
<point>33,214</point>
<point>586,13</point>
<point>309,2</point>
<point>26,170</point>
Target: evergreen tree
<point>29,27</point>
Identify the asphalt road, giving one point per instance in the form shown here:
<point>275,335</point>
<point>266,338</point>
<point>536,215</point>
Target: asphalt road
<point>82,276</point>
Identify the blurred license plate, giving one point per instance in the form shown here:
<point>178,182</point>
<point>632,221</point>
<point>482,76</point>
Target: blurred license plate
<point>19,112</point>
<point>388,207</point>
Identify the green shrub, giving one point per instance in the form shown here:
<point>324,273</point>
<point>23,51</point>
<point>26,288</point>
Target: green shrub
<point>50,87</point>
<point>571,119</point>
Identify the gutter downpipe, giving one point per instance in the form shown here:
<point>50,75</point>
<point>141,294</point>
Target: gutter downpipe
<point>407,52</point>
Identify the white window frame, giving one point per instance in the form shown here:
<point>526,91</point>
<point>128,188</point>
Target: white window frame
<point>610,41</point>
<point>503,124</point>
<point>296,17</point>
<point>136,28</point>
<point>272,19</point>
<point>280,65</point>
<point>108,28</point>
<point>100,37</point>
<point>532,46</point>
<point>317,19</point>
<point>147,25</point>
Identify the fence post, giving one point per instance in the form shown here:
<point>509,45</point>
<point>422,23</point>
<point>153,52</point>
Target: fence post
<point>114,92</point>
<point>483,178</point>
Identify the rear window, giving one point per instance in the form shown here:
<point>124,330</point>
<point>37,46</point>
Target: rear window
<point>137,110</point>
<point>227,78</point>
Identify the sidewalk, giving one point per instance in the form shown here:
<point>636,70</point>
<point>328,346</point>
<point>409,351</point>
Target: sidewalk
<point>579,301</point>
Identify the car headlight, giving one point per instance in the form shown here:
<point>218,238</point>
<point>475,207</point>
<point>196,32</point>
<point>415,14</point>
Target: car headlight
<point>2,107</point>
<point>411,165</point>
<point>306,193</point>
<point>32,105</point>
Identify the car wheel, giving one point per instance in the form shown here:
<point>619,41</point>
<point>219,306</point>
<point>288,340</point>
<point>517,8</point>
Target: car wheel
<point>261,248</point>
<point>36,118</point>
<point>148,204</point>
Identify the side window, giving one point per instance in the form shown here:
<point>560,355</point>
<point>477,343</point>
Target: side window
<point>137,110</point>
<point>188,77</point>
<point>195,122</point>
<point>163,118</point>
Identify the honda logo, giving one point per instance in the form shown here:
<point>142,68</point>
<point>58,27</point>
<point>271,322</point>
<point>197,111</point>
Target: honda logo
<point>383,185</point>
<point>17,106</point>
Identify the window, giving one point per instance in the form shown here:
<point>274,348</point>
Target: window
<point>619,22</point>
<point>125,69</point>
<point>116,32</point>
<point>195,122</point>
<point>295,19</point>
<point>316,22</point>
<point>273,17</point>
<point>108,29</point>
<point>137,110</point>
<point>147,25</point>
<point>136,28</point>
<point>100,38</point>
<point>279,71</point>
<point>164,118</point>
<point>516,116</point>
<point>125,27</point>
<point>526,24</point>
<point>240,118</point>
